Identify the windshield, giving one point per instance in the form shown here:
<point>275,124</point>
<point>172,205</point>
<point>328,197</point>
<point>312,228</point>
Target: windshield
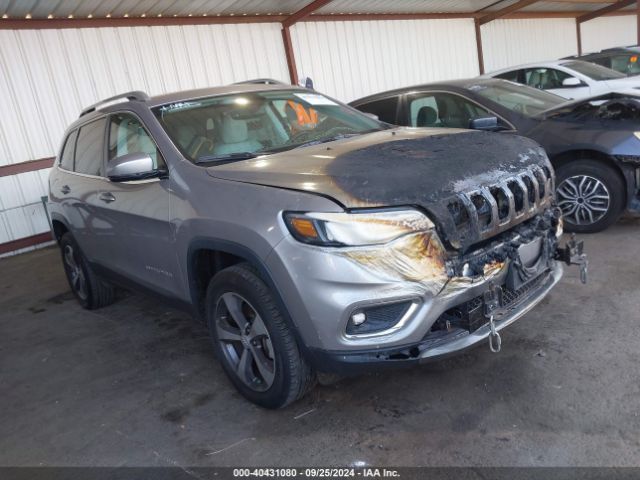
<point>593,71</point>
<point>245,125</point>
<point>519,98</point>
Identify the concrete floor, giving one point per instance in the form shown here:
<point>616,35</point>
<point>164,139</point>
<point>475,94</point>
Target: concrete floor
<point>136,384</point>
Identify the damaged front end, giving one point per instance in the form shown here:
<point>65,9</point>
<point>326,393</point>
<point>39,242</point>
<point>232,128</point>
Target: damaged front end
<point>479,289</point>
<point>485,289</point>
<point>512,266</point>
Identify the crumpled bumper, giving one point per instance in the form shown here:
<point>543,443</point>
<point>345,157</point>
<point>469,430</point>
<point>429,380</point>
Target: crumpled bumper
<point>432,347</point>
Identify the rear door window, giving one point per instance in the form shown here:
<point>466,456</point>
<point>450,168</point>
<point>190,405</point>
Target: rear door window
<point>385,109</point>
<point>90,148</point>
<point>66,159</point>
<point>545,78</point>
<point>440,109</point>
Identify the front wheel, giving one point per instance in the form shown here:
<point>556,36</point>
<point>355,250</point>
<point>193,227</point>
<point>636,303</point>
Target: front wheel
<point>90,290</point>
<point>258,351</point>
<point>590,194</point>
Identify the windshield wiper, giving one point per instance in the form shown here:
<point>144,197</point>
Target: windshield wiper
<point>227,157</point>
<point>326,140</point>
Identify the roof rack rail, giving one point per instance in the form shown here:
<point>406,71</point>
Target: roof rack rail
<point>134,95</point>
<point>260,81</point>
<point>612,49</point>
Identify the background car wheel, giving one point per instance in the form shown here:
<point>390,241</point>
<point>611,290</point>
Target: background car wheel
<point>257,349</point>
<point>590,194</point>
<point>88,288</point>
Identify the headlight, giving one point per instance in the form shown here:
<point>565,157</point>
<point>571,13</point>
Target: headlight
<point>637,134</point>
<point>355,229</point>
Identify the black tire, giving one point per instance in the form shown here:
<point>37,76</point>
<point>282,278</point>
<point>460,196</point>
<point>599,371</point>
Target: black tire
<point>291,376</point>
<point>583,219</point>
<point>96,292</point>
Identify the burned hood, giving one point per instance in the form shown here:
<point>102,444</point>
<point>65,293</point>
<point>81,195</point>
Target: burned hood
<point>420,167</point>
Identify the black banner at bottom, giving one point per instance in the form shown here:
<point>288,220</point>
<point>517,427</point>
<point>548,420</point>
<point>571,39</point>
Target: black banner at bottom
<point>331,473</point>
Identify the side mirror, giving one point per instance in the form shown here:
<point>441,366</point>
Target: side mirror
<point>132,166</point>
<point>571,82</point>
<point>371,115</point>
<point>484,123</point>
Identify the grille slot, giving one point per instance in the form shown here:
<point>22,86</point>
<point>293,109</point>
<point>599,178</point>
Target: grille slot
<point>459,213</point>
<point>483,207</point>
<point>502,201</point>
<point>518,195</point>
<point>542,183</point>
<point>531,190</point>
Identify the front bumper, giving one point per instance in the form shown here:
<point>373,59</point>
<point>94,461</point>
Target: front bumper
<point>435,347</point>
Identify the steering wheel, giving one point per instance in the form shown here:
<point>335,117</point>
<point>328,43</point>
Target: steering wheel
<point>332,132</point>
<point>201,142</point>
<point>302,136</point>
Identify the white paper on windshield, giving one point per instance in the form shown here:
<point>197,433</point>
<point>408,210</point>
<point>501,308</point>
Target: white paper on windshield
<point>315,99</point>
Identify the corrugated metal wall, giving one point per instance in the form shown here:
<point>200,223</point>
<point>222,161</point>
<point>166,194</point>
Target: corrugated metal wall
<point>47,76</point>
<point>512,42</point>
<point>606,32</point>
<point>349,60</point>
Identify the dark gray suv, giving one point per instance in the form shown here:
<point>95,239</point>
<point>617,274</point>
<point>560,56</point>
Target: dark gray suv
<point>309,236</point>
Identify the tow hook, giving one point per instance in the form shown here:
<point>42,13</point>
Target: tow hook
<point>491,304</point>
<point>573,254</point>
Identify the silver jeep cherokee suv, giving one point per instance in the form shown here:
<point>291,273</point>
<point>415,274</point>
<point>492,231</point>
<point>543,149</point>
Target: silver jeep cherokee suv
<point>309,236</point>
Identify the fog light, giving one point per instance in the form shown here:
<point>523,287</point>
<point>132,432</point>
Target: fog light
<point>376,318</point>
<point>358,318</point>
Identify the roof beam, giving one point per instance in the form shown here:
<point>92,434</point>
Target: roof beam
<point>58,23</point>
<point>604,11</point>
<point>289,55</point>
<point>505,11</point>
<point>304,12</point>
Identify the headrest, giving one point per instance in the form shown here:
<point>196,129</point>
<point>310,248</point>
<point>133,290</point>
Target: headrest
<point>234,131</point>
<point>186,134</point>
<point>426,116</point>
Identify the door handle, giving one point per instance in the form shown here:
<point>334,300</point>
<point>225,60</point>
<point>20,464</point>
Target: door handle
<point>65,189</point>
<point>107,197</point>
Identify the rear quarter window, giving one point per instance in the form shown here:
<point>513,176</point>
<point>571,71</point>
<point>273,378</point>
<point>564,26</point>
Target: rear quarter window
<point>90,148</point>
<point>513,76</point>
<point>385,109</point>
<point>66,159</point>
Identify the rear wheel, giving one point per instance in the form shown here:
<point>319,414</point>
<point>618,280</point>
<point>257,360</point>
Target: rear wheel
<point>590,194</point>
<point>258,351</point>
<point>90,291</point>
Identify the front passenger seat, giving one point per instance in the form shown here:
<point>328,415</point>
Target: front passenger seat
<point>535,80</point>
<point>427,117</point>
<point>235,138</point>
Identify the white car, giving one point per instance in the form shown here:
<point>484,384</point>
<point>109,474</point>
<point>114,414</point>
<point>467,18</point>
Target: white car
<point>572,79</point>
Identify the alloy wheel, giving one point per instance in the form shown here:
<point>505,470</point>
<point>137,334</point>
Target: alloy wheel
<point>584,200</point>
<point>245,341</point>
<point>76,274</point>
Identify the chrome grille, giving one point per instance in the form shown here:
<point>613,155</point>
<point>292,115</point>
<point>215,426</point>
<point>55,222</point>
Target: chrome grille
<point>496,208</point>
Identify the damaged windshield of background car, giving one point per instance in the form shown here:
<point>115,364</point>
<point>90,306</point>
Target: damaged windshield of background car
<point>256,123</point>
